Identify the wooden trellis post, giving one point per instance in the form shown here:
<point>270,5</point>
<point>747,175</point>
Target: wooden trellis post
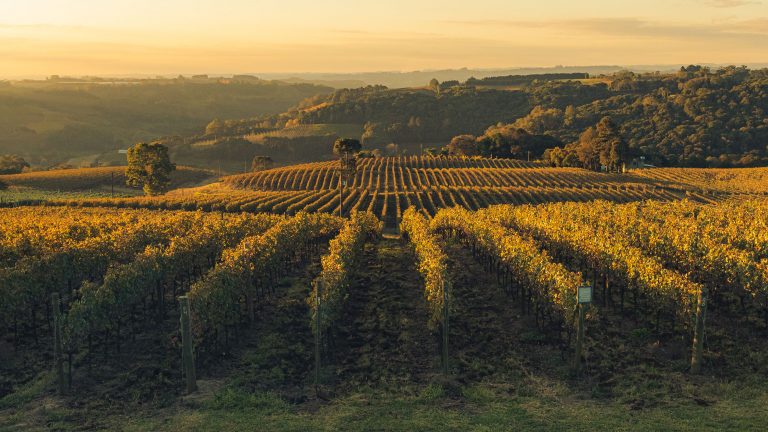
<point>318,339</point>
<point>698,335</point>
<point>583,299</point>
<point>58,356</point>
<point>445,327</point>
<point>187,357</point>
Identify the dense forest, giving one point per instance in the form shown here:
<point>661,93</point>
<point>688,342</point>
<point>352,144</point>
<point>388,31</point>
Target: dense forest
<point>406,116</point>
<point>696,117</point>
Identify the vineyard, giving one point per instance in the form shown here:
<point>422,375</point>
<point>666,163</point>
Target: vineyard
<point>101,285</point>
<point>388,186</point>
<point>731,180</point>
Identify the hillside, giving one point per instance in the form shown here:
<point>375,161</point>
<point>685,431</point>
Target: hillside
<point>388,186</point>
<point>81,183</point>
<point>672,119</point>
<point>286,146</point>
<point>61,120</point>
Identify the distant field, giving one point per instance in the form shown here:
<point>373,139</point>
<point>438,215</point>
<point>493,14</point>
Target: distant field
<point>298,131</point>
<point>15,194</point>
<point>54,121</point>
<point>586,81</point>
<point>95,179</point>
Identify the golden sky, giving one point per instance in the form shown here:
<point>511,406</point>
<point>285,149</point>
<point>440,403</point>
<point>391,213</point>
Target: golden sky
<point>111,37</point>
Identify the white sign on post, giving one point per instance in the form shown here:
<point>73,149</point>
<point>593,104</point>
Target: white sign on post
<point>585,294</point>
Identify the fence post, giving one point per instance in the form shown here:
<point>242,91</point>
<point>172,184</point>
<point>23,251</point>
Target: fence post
<point>58,356</point>
<point>318,339</point>
<point>445,327</point>
<point>579,338</point>
<point>188,360</point>
<point>698,335</point>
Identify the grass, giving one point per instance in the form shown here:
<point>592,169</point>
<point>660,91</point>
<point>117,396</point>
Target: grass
<point>526,405</point>
<point>304,130</point>
<point>481,407</point>
<point>17,400</point>
<point>16,194</point>
<point>100,178</point>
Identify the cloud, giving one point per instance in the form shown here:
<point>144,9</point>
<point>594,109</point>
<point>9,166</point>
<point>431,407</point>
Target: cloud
<point>727,3</point>
<point>43,50</point>
<point>754,29</point>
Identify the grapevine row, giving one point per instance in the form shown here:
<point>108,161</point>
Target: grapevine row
<point>249,270</point>
<point>600,251</point>
<point>432,260</point>
<point>103,307</point>
<point>338,265</point>
<point>538,278</point>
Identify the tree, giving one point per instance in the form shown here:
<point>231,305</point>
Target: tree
<point>569,116</point>
<point>463,145</point>
<point>541,120</point>
<point>611,145</point>
<point>392,149</point>
<point>261,163</point>
<point>214,127</point>
<point>12,164</point>
<point>587,150</point>
<point>346,147</point>
<point>149,166</point>
<point>434,84</point>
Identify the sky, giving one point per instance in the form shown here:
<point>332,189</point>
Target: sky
<point>116,37</point>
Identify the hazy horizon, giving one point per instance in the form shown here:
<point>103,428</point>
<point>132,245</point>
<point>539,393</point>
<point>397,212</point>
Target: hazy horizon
<point>51,37</point>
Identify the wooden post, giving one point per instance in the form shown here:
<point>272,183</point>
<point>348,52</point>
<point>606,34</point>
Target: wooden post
<point>188,361</point>
<point>58,356</point>
<point>318,339</point>
<point>445,328</point>
<point>698,336</point>
<point>579,338</point>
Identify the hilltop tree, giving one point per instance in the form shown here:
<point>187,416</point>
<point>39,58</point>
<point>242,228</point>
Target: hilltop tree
<point>541,120</point>
<point>463,145</point>
<point>149,166</point>
<point>434,84</point>
<point>12,164</point>
<point>507,140</point>
<point>261,163</point>
<point>611,145</point>
<point>599,145</point>
<point>346,147</point>
<point>214,127</point>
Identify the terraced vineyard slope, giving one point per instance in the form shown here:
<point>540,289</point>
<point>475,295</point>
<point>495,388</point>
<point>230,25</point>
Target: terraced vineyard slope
<point>387,186</point>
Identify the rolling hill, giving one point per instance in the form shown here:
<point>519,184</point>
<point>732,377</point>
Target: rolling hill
<point>387,186</point>
<point>62,120</point>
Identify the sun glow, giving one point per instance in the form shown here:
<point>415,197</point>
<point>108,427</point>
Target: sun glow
<point>43,37</point>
